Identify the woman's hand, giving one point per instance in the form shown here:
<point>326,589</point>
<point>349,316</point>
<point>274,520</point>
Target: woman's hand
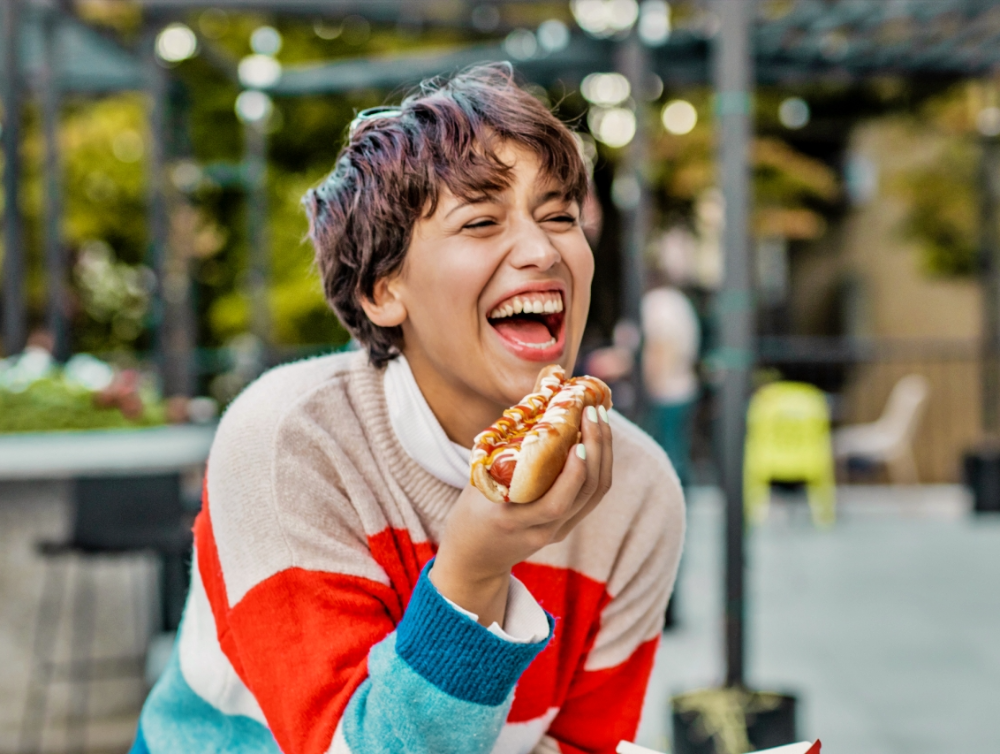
<point>483,540</point>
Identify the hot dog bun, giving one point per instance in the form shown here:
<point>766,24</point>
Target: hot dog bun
<point>517,459</point>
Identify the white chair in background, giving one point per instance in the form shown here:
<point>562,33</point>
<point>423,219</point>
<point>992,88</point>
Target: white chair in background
<point>889,439</point>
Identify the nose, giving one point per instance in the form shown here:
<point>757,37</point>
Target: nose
<point>531,247</point>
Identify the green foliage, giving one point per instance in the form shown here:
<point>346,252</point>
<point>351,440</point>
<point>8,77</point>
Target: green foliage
<point>52,404</point>
<point>792,191</point>
<point>941,216</point>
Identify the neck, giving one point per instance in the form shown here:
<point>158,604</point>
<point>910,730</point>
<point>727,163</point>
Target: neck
<point>462,413</point>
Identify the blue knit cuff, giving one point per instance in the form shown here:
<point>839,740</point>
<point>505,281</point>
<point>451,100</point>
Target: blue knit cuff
<point>456,654</point>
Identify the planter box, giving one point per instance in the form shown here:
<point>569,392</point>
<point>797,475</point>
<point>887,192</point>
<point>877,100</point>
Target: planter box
<point>770,722</point>
<point>65,455</point>
<point>981,468</point>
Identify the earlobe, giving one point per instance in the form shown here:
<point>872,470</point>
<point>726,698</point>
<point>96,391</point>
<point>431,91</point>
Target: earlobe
<point>385,308</point>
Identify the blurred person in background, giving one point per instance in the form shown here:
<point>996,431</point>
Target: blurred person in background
<point>671,337</point>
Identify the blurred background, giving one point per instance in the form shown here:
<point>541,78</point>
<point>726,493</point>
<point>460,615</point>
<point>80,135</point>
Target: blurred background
<point>795,223</point>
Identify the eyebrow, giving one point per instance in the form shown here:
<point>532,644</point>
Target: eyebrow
<point>477,199</point>
<point>548,196</point>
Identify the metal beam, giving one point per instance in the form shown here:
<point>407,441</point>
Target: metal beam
<point>158,228</point>
<point>989,257</point>
<point>14,312</point>
<point>732,73</point>
<point>631,194</point>
<point>388,72</point>
<point>259,258</point>
<point>55,258</point>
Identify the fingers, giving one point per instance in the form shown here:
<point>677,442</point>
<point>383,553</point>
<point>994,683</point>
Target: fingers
<point>603,483</point>
<point>580,486</point>
<point>581,478</point>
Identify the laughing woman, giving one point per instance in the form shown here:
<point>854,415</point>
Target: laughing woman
<point>351,592</point>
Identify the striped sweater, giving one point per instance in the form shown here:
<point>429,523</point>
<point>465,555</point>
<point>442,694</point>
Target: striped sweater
<point>311,625</point>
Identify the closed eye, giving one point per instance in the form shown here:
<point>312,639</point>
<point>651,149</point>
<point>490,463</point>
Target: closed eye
<point>564,219</point>
<point>480,224</point>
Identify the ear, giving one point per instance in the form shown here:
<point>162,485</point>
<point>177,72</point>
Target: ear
<point>385,308</point>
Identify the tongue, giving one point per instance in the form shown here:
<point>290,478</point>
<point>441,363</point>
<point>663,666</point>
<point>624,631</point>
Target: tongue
<point>523,330</point>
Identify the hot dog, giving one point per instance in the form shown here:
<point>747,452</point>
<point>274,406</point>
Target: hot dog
<point>518,458</point>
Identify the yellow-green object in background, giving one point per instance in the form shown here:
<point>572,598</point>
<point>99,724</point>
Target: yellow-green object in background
<point>788,440</point>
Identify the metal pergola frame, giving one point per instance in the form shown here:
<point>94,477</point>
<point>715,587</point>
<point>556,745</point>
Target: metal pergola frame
<point>734,45</point>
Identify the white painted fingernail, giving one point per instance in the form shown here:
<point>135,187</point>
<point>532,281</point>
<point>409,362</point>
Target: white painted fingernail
<point>581,451</point>
<point>604,414</point>
<point>592,414</point>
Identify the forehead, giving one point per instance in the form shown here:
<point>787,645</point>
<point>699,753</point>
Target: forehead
<point>520,174</point>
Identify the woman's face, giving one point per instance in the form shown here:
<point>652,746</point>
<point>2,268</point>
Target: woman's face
<point>493,290</point>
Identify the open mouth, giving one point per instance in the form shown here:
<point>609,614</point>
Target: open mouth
<point>531,324</point>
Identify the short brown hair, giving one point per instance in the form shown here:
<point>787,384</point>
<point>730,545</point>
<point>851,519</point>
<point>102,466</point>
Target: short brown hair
<point>389,173</point>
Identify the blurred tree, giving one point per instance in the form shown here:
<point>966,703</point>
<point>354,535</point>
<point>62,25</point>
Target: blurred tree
<point>942,199</point>
<point>793,192</point>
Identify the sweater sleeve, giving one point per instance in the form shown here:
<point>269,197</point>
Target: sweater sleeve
<point>606,694</point>
<point>439,683</point>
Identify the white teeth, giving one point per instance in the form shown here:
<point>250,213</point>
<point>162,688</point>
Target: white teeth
<point>548,344</point>
<point>546,304</point>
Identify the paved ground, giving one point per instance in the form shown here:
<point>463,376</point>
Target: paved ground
<point>120,594</point>
<point>888,626</point>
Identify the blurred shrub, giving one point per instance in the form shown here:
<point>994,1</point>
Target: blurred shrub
<point>53,403</point>
<point>941,215</point>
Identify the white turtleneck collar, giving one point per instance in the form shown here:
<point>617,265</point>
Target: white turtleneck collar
<point>418,430</point>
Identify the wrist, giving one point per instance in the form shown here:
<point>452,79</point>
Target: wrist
<point>482,594</point>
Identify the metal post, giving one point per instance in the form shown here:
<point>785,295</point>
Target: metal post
<point>632,198</point>
<point>733,78</point>
<point>14,313</point>
<point>179,329</point>
<point>989,255</point>
<point>259,261</point>
<point>55,259</point>
<point>157,84</point>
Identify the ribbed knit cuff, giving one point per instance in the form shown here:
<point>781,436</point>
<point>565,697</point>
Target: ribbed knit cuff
<point>455,653</point>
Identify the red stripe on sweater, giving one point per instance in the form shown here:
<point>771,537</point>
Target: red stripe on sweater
<point>576,602</point>
<point>210,570</point>
<point>605,705</point>
<point>304,638</point>
<point>401,558</point>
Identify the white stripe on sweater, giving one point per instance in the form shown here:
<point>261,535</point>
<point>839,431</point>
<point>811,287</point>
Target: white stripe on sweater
<point>204,665</point>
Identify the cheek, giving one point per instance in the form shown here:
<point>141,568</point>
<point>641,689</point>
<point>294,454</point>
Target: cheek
<point>580,261</point>
<point>446,278</point>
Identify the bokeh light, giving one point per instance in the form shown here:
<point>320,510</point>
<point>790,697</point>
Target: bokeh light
<point>266,40</point>
<point>654,22</point>
<point>679,117</point>
<point>604,18</point>
<point>259,71</point>
<point>794,113</point>
<point>988,121</point>
<point>553,35</point>
<point>521,44</point>
<point>605,89</point>
<point>614,126</point>
<point>253,106</point>
<point>176,43</point>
